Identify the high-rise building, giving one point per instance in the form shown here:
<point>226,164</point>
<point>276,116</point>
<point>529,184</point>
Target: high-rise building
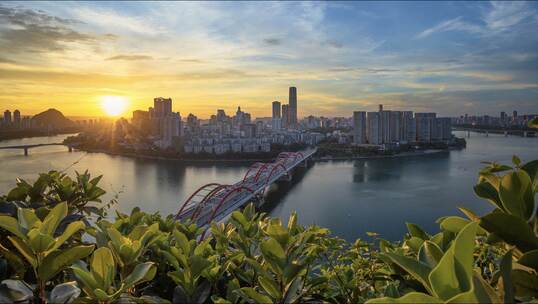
<point>141,119</point>
<point>276,109</point>
<point>514,115</point>
<point>442,129</point>
<point>425,126</point>
<point>221,115</point>
<point>285,116</point>
<point>7,117</point>
<point>248,130</point>
<point>503,117</point>
<point>408,127</point>
<point>373,127</point>
<point>162,106</point>
<point>384,117</point>
<point>276,123</point>
<point>292,120</point>
<point>394,126</point>
<point>17,118</point>
<point>359,127</point>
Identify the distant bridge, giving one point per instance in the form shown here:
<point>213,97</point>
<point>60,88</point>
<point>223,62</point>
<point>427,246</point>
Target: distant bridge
<point>215,202</point>
<point>31,146</point>
<point>524,133</point>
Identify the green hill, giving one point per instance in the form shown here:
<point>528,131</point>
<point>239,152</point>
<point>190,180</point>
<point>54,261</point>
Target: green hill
<point>52,118</point>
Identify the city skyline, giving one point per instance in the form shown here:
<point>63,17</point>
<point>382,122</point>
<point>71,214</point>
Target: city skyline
<point>458,58</point>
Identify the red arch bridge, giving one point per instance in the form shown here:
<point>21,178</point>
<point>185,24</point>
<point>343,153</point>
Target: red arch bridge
<point>214,201</point>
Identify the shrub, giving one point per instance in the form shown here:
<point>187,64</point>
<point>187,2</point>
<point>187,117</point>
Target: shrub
<point>252,258</point>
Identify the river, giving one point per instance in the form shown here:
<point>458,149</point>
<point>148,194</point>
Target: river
<point>348,197</point>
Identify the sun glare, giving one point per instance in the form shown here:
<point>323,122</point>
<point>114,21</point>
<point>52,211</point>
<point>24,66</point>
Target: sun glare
<point>114,105</point>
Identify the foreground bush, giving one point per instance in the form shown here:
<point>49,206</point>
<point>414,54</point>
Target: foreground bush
<point>58,246</point>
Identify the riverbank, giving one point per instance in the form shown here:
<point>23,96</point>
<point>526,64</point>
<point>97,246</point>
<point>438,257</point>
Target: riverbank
<point>22,134</point>
<point>402,154</point>
<point>266,159</point>
<point>174,158</point>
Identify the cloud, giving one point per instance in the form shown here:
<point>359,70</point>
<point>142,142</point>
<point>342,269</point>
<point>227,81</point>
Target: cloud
<point>109,19</point>
<point>6,60</point>
<point>334,44</point>
<point>503,15</point>
<point>26,30</point>
<point>192,60</point>
<point>499,16</point>
<point>272,41</point>
<point>130,57</point>
<point>456,24</point>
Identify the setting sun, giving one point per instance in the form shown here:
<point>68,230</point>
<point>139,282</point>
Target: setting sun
<point>114,105</point>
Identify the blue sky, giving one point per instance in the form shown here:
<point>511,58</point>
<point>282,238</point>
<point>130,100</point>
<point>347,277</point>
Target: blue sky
<point>448,57</point>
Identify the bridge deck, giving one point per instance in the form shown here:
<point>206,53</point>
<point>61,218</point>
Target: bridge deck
<point>32,146</point>
<point>221,200</point>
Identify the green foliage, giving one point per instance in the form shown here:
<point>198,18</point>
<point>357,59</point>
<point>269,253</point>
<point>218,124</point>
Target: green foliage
<point>35,243</point>
<point>99,283</point>
<point>82,194</point>
<point>146,258</point>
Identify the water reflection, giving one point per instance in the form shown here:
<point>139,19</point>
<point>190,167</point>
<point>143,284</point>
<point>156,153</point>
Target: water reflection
<point>279,190</point>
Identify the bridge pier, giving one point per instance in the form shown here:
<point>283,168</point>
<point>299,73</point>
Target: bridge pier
<point>25,151</point>
<point>487,133</point>
<point>468,134</point>
<point>505,133</point>
<point>70,148</point>
<point>524,133</point>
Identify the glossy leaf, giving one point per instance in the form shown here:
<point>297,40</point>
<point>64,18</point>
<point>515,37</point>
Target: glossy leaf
<point>53,219</point>
<point>525,283</point>
<point>530,259</point>
<point>430,254</point>
<point>255,296</point>
<point>506,275</point>
<point>453,274</point>
<point>520,234</point>
<point>10,224</point>
<point>453,223</point>
<point>55,262</point>
<point>138,274</point>
<point>516,194</point>
<point>415,268</point>
<point>412,297</point>
<point>416,231</point>
<point>487,191</point>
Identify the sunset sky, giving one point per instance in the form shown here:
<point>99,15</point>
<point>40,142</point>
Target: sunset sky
<point>451,58</point>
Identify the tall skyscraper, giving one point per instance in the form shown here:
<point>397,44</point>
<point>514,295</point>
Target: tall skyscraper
<point>359,127</point>
<point>276,123</point>
<point>292,120</point>
<point>373,126</point>
<point>7,117</point>
<point>276,109</point>
<point>17,118</point>
<point>285,116</point>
